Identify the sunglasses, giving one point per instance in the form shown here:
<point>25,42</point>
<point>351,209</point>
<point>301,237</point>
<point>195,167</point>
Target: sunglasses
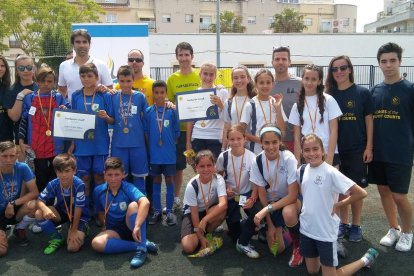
<point>339,68</point>
<point>21,68</point>
<point>135,59</point>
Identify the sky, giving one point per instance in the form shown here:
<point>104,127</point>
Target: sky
<point>366,12</point>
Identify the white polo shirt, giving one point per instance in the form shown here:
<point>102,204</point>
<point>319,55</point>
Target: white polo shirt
<point>69,75</point>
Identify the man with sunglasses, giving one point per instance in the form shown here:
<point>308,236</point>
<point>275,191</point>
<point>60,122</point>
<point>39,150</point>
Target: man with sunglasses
<point>286,85</point>
<point>69,80</point>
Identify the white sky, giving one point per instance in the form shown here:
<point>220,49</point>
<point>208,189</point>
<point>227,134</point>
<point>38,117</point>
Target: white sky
<point>367,10</point>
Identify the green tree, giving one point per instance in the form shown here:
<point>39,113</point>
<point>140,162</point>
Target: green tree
<point>33,22</point>
<point>288,21</point>
<point>229,23</point>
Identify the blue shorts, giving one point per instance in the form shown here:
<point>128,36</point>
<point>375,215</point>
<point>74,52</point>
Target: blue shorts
<point>90,164</point>
<point>83,223</point>
<point>233,209</point>
<point>133,158</point>
<point>162,169</point>
<point>277,216</point>
<point>310,248</point>
<point>122,230</point>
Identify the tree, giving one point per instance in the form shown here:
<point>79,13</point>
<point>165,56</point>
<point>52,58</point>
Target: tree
<point>33,21</point>
<point>288,21</point>
<point>229,23</point>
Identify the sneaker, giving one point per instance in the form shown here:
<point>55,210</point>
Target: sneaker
<point>296,259</point>
<point>340,249</point>
<point>248,250</point>
<point>152,247</point>
<point>54,245</point>
<point>343,230</point>
<point>404,242</point>
<point>21,237</point>
<point>391,237</point>
<point>171,219</point>
<point>355,233</point>
<point>370,256</point>
<point>139,259</point>
<point>154,218</point>
<point>36,229</point>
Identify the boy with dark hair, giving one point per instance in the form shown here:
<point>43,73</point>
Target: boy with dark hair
<point>162,129</point>
<point>185,79</point>
<point>393,146</point>
<point>68,192</point>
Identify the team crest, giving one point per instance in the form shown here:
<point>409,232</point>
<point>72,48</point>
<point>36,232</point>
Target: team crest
<point>318,180</point>
<point>395,101</point>
<point>123,205</point>
<point>166,123</point>
<point>350,104</point>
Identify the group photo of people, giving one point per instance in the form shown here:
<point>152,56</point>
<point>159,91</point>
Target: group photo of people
<point>287,160</point>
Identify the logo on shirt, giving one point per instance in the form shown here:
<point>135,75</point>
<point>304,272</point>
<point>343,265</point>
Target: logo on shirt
<point>166,123</point>
<point>282,169</point>
<point>395,100</point>
<point>123,205</point>
<point>318,180</point>
<point>350,104</point>
<point>80,196</point>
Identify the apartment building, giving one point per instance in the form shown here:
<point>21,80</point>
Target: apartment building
<point>397,17</point>
<point>196,16</point>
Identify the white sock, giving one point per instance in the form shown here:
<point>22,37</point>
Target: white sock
<point>177,200</point>
<point>365,260</point>
<point>26,221</point>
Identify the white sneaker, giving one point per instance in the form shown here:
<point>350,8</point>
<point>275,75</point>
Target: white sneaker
<point>248,250</point>
<point>405,242</point>
<point>391,237</point>
<point>36,228</point>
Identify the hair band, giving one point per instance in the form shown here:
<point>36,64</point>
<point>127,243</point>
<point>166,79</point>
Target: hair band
<point>270,129</point>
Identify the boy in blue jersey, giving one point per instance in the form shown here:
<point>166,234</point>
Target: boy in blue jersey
<point>92,151</point>
<point>17,198</point>
<point>68,192</point>
<point>162,130</point>
<point>122,209</point>
<point>128,142</point>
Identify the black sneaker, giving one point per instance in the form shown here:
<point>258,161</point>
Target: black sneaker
<point>21,237</point>
<point>154,218</point>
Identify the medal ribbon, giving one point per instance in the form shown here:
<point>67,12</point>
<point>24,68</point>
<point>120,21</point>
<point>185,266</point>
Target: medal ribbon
<point>273,182</point>
<point>237,110</point>
<point>240,172</point>
<point>69,210</point>
<point>160,124</point>
<point>206,204</point>
<point>121,104</point>
<point>270,110</point>
<point>49,111</point>
<point>313,121</point>
<point>107,207</point>
<point>85,102</point>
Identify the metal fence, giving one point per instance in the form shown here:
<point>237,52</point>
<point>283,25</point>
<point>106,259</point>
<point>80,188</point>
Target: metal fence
<point>365,75</point>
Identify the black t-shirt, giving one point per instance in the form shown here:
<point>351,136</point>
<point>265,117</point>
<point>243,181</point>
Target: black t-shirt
<point>10,98</point>
<point>355,103</point>
<point>393,122</point>
<point>6,129</point>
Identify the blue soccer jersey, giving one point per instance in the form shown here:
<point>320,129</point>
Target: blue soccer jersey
<point>11,183</point>
<point>98,142</point>
<point>128,127</point>
<point>53,191</point>
<point>117,205</point>
<point>161,152</point>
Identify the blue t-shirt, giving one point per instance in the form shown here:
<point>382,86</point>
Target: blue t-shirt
<point>22,173</point>
<point>127,193</point>
<point>53,191</point>
<point>99,144</point>
<point>135,135</point>
<point>165,153</point>
<point>355,103</point>
<point>394,122</point>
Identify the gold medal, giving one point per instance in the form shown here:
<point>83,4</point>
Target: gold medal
<point>48,132</point>
<point>203,124</point>
<point>91,136</point>
<point>160,142</point>
<point>237,198</point>
<point>126,130</point>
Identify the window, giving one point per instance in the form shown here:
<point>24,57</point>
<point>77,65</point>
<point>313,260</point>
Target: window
<point>110,1</point>
<point>166,18</point>
<point>150,21</point>
<point>270,20</point>
<point>325,26</point>
<point>307,21</point>
<point>345,22</point>
<point>205,22</point>
<point>251,20</point>
<point>14,42</point>
<point>189,18</point>
<point>111,18</point>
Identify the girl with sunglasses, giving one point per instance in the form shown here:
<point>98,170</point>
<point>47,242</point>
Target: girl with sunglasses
<point>355,135</point>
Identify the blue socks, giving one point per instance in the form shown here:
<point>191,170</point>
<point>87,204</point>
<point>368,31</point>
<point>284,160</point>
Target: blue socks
<point>170,197</point>
<point>139,182</point>
<point>156,196</point>
<point>114,246</point>
<point>49,228</point>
